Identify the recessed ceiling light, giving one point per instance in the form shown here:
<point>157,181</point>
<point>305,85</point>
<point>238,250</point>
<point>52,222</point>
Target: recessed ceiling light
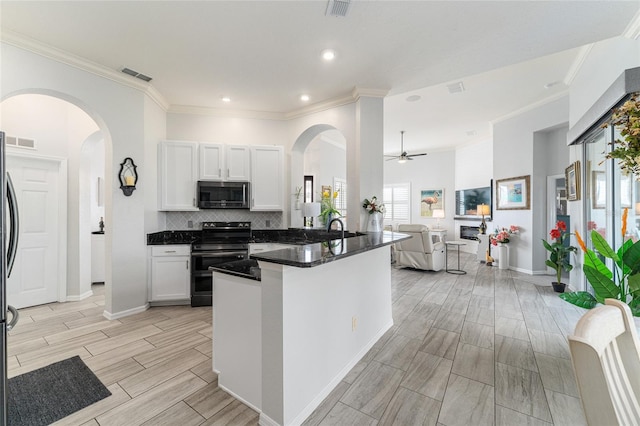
<point>304,98</point>
<point>328,54</point>
<point>413,98</point>
<point>550,85</point>
<point>226,99</point>
<point>455,87</point>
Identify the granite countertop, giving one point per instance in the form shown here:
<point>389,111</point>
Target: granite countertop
<point>172,237</point>
<point>241,268</point>
<point>309,255</point>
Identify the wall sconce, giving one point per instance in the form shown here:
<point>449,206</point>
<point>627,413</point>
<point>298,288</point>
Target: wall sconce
<point>128,176</point>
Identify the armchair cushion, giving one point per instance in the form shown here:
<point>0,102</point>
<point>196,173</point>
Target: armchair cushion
<point>420,251</point>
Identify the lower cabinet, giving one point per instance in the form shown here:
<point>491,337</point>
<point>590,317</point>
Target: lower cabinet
<point>170,274</point>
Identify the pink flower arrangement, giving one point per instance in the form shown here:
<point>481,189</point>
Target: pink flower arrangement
<point>503,235</point>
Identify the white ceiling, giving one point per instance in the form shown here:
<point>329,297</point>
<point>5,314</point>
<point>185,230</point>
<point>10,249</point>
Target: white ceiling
<point>265,54</point>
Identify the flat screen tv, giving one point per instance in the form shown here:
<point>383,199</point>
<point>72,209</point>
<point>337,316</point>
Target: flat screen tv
<point>467,201</point>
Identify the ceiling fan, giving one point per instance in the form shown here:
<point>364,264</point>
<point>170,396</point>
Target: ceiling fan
<point>403,156</point>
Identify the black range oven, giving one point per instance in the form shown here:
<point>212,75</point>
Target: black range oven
<point>220,242</point>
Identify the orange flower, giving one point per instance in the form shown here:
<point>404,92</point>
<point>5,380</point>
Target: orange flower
<point>581,243</point>
<point>624,221</point>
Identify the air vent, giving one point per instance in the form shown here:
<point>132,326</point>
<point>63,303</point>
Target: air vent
<point>338,7</point>
<point>456,87</point>
<point>136,74</point>
<point>20,142</point>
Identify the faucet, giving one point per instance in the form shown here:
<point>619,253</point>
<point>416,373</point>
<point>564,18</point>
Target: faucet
<point>341,226</point>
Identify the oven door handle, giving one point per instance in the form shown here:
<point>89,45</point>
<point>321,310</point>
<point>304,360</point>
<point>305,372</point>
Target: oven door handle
<point>219,254</point>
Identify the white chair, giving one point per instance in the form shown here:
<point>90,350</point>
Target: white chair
<point>605,353</point>
<point>419,252</point>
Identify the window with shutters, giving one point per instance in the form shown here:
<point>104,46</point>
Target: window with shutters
<point>340,185</point>
<point>396,198</point>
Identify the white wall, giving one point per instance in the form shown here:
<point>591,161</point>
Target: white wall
<point>513,156</point>
<point>119,112</point>
<point>155,128</point>
<point>433,171</point>
<point>325,161</point>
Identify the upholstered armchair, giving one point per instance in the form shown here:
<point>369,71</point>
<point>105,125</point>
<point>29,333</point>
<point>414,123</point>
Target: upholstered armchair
<point>419,252</point>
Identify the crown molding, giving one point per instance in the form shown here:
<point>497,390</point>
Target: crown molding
<point>42,49</point>
<point>532,106</point>
<point>359,92</point>
<point>633,29</point>
<point>577,63</point>
<point>222,112</point>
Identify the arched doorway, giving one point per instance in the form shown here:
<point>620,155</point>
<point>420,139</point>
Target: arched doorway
<point>60,125</point>
<point>319,152</point>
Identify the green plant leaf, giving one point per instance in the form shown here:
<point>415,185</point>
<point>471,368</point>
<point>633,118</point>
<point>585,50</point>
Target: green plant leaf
<point>580,298</point>
<point>603,286</point>
<point>551,264</point>
<point>547,245</point>
<point>591,259</point>
<point>634,285</point>
<point>603,247</point>
<point>631,257</point>
<point>635,307</point>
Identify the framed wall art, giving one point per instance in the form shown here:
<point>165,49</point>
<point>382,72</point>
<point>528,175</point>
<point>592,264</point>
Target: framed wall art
<point>572,175</point>
<point>430,200</point>
<point>513,193</point>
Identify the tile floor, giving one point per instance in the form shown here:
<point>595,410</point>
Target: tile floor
<point>488,348</point>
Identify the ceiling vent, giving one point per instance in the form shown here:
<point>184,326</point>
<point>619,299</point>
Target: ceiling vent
<point>455,88</point>
<point>136,74</point>
<point>20,142</point>
<point>338,7</point>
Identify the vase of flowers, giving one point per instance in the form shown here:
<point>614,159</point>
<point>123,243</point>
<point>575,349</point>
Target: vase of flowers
<point>376,212</point>
<point>559,254</point>
<point>328,206</point>
<point>501,238</point>
<point>627,149</point>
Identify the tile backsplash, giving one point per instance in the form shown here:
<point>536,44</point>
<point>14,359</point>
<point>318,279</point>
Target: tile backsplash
<point>177,221</point>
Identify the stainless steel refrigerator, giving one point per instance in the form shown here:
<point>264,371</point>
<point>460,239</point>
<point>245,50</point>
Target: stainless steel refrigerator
<point>8,247</point>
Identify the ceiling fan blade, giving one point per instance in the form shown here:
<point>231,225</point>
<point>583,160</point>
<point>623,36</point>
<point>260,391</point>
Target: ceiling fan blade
<point>390,159</point>
<point>416,155</point>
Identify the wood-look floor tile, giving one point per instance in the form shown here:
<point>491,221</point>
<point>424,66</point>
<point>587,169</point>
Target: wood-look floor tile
<point>209,400</point>
<point>26,346</point>
<point>480,316</point>
<point>85,320</point>
<point>23,332</point>
<point>12,363</point>
<point>118,371</point>
<point>557,374</point>
<point>565,410</point>
<point>451,321</point>
<point>169,337</point>
<point>57,317</point>
<point>482,302</point>
<point>207,332</point>
<point>355,372</point>
<point>549,344</point>
<point>421,287</point>
<point>62,347</point>
<point>146,379</point>
<point>456,304</point>
<point>128,327</point>
<point>477,334</point>
<point>155,355</point>
<point>179,414</point>
<point>118,396</point>
<point>505,311</point>
<point>398,352</point>
<point>510,327</point>
<point>91,422</point>
<point>116,355</point>
<point>402,307</point>
<point>236,414</point>
<point>436,298</point>
<point>467,402</point>
<point>204,370</point>
<point>515,352</point>
<point>541,320</point>
<point>327,405</point>
<point>521,390</point>
<point>373,389</point>
<point>75,306</point>
<point>508,417</point>
<point>342,414</point>
<point>122,340</point>
<point>428,375</point>
<point>475,363</point>
<point>442,343</point>
<point>80,331</point>
<point>410,408</point>
<point>415,326</point>
<point>205,348</point>
<point>152,402</point>
<point>43,361</point>
<point>427,310</point>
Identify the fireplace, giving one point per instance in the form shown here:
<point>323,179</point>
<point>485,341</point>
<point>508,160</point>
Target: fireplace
<point>469,232</point>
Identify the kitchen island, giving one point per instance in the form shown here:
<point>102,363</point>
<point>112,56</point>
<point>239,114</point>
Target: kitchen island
<point>283,341</point>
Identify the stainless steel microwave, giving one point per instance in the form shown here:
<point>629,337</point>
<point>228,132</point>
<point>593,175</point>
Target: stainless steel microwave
<point>223,195</point>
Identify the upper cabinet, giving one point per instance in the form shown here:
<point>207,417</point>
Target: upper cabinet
<point>267,178</point>
<point>178,174</point>
<point>225,162</point>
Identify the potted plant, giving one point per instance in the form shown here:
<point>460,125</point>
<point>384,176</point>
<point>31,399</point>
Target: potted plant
<point>621,282</point>
<point>328,206</point>
<point>376,212</point>
<point>297,195</point>
<point>559,257</point>
<point>627,150</point>
<point>501,238</point>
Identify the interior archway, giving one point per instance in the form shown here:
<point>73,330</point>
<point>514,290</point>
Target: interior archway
<point>61,125</point>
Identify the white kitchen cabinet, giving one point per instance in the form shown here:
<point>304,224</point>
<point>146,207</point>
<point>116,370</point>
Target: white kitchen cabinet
<point>170,275</point>
<point>224,162</point>
<point>267,178</point>
<point>178,174</point>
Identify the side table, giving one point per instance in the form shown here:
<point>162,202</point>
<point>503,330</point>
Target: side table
<point>456,244</point>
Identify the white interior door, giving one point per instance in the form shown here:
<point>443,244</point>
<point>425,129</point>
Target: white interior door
<point>35,275</point>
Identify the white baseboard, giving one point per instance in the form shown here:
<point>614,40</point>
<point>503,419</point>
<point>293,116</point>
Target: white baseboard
<point>80,297</point>
<point>239,398</point>
<point>112,316</point>
<point>266,421</point>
